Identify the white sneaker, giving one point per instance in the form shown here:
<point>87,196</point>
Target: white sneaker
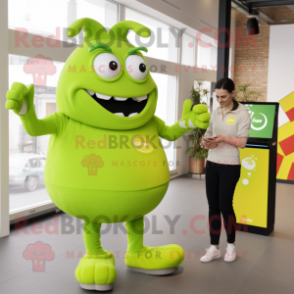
<point>230,253</point>
<point>211,253</point>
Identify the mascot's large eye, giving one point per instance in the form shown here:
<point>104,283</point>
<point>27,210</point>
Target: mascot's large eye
<point>107,65</point>
<point>136,67</point>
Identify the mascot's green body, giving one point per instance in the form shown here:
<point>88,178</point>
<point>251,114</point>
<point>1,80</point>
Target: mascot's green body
<point>105,162</point>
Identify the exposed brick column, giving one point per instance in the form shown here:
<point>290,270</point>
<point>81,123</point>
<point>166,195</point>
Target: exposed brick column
<point>251,60</point>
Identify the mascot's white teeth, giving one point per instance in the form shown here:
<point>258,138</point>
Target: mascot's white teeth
<point>132,114</point>
<point>141,98</point>
<point>107,97</point>
<point>121,114</point>
<point>120,106</point>
<point>90,92</point>
<point>104,97</point>
<point>120,98</point>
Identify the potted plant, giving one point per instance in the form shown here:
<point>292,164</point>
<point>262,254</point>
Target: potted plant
<point>197,154</point>
<point>243,94</point>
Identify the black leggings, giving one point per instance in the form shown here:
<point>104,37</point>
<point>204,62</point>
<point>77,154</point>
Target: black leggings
<point>221,180</point>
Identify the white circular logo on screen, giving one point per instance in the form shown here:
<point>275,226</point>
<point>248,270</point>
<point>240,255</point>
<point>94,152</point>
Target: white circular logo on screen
<point>258,124</point>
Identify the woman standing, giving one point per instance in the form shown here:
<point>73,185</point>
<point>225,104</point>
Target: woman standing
<point>229,129</point>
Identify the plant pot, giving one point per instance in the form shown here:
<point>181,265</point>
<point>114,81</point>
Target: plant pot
<point>196,166</point>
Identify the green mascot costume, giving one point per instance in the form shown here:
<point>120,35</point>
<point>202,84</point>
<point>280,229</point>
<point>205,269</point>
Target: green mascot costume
<point>105,161</point>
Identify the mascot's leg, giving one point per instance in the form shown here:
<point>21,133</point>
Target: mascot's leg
<point>96,269</point>
<point>161,260</point>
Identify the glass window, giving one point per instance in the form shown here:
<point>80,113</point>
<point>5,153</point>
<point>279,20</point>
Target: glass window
<point>52,17</point>
<point>42,17</point>
<point>231,68</point>
<point>188,50</point>
<point>207,53</point>
<point>33,162</point>
<point>206,85</point>
<point>91,9</point>
<point>15,162</point>
<point>42,162</point>
<point>166,110</point>
<point>163,42</point>
<point>207,58</point>
<point>26,172</point>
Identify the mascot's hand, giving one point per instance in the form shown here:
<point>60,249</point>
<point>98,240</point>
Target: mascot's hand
<point>198,117</point>
<point>20,98</point>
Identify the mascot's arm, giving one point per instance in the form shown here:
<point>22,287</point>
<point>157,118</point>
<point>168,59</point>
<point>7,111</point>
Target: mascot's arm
<point>20,99</point>
<point>198,117</point>
<point>170,133</point>
<point>39,127</point>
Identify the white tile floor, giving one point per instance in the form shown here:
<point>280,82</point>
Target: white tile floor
<point>265,264</point>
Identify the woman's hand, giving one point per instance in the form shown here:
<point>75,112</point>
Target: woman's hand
<point>219,139</point>
<point>216,140</point>
<point>202,143</point>
<point>208,143</point>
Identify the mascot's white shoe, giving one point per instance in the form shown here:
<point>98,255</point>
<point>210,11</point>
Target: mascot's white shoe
<point>211,253</point>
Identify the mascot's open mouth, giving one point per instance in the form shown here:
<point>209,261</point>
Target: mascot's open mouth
<point>119,105</point>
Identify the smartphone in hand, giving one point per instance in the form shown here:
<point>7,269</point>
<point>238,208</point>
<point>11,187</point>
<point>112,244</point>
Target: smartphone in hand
<point>210,139</point>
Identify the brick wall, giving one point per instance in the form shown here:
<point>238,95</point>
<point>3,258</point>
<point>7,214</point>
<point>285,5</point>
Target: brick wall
<point>254,56</point>
<point>251,59</point>
<point>281,15</point>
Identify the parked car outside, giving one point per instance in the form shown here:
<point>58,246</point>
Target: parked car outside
<point>27,170</point>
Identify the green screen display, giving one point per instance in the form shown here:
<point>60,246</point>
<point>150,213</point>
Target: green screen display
<point>262,120</point>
